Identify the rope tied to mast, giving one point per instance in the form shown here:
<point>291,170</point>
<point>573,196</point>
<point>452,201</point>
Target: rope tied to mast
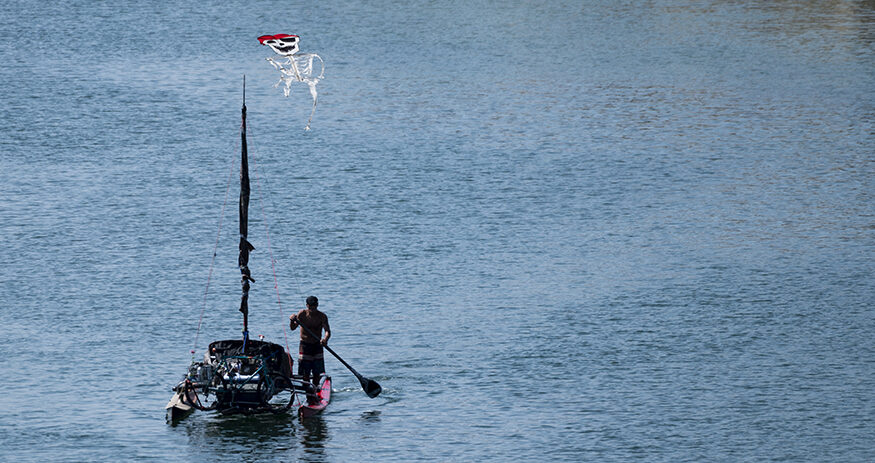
<point>272,259</point>
<point>213,260</point>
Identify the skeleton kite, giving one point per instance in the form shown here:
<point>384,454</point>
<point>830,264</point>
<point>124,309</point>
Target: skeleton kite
<point>294,66</point>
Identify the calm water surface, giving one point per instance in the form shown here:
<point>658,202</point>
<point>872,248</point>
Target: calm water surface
<point>597,231</point>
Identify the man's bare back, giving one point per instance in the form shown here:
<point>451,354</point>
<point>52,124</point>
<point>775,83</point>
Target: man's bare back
<point>315,321</point>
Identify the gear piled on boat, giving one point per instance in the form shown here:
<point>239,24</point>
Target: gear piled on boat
<point>232,380</point>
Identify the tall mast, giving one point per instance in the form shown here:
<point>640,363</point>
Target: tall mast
<point>245,246</point>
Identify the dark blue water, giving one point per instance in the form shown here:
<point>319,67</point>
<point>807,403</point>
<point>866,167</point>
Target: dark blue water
<point>599,231</point>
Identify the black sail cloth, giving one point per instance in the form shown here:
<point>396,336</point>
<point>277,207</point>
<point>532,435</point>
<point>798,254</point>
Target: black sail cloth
<point>245,246</point>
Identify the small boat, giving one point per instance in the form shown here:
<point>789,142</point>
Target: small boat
<point>246,375</point>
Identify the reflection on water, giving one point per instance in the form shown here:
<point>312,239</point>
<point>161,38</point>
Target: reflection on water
<point>249,427</point>
<point>220,436</point>
<point>313,437</point>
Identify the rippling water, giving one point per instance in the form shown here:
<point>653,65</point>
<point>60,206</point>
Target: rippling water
<point>601,231</point>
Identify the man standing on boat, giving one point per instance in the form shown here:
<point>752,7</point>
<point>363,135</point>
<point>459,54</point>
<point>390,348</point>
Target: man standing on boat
<point>311,362</point>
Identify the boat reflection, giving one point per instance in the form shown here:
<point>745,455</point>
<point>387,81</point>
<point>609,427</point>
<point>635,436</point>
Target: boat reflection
<point>284,435</point>
<point>314,435</point>
<point>253,426</point>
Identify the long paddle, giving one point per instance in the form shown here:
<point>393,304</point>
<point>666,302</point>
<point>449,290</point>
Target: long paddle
<point>371,388</point>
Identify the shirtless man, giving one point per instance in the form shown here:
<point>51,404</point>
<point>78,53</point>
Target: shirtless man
<point>310,356</point>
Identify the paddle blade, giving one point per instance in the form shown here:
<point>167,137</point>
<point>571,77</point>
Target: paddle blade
<point>371,388</point>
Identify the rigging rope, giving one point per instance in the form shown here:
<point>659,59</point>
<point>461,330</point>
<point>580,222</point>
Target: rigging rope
<point>273,261</point>
<point>269,248</point>
<point>213,260</point>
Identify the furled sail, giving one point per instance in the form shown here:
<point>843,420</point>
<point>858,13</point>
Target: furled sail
<point>245,245</point>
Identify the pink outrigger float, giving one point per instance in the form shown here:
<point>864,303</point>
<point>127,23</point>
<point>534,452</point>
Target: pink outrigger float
<point>324,395</point>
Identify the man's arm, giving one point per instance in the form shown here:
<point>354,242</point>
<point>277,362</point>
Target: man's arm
<point>327,331</point>
<point>293,322</point>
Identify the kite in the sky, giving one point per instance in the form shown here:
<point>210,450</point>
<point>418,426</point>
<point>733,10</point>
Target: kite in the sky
<point>293,66</point>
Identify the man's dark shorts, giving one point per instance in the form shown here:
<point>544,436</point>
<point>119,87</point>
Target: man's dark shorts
<point>310,360</point>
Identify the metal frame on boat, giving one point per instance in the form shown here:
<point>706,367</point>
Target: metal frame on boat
<point>233,381</point>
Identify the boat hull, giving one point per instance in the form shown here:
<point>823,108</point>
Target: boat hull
<point>176,408</point>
